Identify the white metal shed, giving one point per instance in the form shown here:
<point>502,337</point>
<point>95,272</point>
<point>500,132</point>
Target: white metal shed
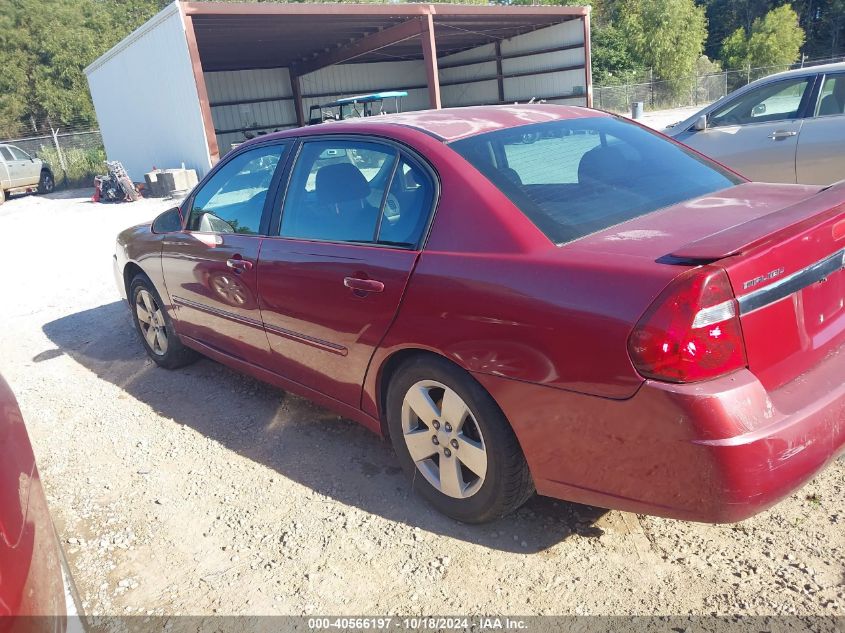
<point>200,76</point>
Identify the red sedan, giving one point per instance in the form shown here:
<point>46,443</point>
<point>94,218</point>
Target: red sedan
<point>32,591</point>
<point>523,298</point>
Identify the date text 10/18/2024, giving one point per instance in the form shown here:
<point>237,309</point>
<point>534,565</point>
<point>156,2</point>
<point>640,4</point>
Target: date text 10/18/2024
<point>417,624</point>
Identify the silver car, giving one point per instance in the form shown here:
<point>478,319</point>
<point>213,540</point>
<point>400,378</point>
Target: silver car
<point>788,127</point>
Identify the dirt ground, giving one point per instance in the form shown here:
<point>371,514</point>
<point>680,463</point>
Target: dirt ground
<point>202,491</point>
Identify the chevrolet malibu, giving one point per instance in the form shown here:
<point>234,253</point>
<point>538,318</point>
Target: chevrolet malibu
<point>522,298</point>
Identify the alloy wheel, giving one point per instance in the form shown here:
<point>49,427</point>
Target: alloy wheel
<point>151,322</point>
<point>444,439</point>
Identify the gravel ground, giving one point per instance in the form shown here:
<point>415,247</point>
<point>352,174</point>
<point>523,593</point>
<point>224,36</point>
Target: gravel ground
<point>202,491</point>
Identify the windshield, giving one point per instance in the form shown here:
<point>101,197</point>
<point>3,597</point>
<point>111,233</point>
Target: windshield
<point>576,177</point>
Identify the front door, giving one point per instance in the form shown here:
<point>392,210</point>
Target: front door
<point>756,133</point>
<point>210,267</point>
<point>331,282</point>
<point>30,171</point>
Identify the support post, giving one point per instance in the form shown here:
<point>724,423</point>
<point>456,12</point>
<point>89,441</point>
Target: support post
<point>588,71</point>
<point>499,73</point>
<point>296,89</point>
<point>432,74</point>
<point>55,133</point>
<point>202,92</point>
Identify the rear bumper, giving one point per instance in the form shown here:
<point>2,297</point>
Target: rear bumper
<point>718,451</point>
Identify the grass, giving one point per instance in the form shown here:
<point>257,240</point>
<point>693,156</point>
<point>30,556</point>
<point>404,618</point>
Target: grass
<point>82,165</point>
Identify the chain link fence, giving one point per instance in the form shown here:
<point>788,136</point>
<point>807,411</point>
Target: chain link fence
<point>75,157</point>
<point>685,91</point>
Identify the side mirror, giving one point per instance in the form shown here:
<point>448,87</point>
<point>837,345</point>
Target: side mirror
<point>700,123</point>
<point>168,222</point>
<point>758,110</point>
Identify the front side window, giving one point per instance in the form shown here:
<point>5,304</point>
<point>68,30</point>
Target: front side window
<point>232,201</point>
<point>578,176</point>
<point>19,154</point>
<point>773,102</point>
<point>356,191</point>
<point>832,96</point>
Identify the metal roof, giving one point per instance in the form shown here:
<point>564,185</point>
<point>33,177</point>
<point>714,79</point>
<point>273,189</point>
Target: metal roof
<point>450,124</point>
<point>241,36</point>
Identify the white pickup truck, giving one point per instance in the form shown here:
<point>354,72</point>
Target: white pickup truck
<point>21,173</point>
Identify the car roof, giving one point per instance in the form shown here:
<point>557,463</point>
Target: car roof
<point>452,124</point>
<point>807,70</point>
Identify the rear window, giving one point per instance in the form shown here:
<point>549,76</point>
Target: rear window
<point>576,177</point>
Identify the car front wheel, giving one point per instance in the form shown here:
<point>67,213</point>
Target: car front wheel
<point>155,327</point>
<point>454,442</point>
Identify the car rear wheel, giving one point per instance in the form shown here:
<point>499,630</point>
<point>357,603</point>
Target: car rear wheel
<point>155,327</point>
<point>454,442</point>
<point>46,184</point>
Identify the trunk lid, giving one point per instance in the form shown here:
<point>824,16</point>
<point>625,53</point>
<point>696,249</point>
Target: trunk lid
<point>782,247</point>
<point>786,269</point>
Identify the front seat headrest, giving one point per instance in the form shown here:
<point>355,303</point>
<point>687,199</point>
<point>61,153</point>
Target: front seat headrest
<point>341,182</point>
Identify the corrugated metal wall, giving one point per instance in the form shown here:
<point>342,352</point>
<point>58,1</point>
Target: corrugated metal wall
<point>160,125</point>
<point>234,94</point>
<point>236,87</point>
<point>261,100</point>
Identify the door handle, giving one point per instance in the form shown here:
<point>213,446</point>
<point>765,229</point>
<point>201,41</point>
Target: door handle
<point>363,285</point>
<point>781,134</point>
<point>239,265</point>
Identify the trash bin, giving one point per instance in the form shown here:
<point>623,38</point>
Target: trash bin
<point>637,110</point>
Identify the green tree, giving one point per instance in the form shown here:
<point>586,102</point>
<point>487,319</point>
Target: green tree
<point>612,58</point>
<point>44,47</point>
<point>774,40</point>
<point>667,36</point>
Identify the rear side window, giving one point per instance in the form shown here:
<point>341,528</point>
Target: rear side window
<point>832,97</point>
<point>575,177</point>
<point>7,155</point>
<point>357,191</point>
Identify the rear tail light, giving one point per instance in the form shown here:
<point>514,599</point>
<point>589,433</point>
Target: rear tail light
<point>691,332</point>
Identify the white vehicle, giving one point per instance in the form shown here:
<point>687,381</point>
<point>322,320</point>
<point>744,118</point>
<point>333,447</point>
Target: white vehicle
<point>788,127</point>
<point>21,173</point>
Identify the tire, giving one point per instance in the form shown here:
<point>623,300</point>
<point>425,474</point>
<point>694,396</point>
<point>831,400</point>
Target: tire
<point>495,485</point>
<point>155,327</point>
<point>46,184</point>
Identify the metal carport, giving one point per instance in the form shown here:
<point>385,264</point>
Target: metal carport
<point>255,68</point>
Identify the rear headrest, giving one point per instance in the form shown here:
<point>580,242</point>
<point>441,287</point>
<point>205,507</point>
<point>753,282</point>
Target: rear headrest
<point>604,165</point>
<point>341,182</point>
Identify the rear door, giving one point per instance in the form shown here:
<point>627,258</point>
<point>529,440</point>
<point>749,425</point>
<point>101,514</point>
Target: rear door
<point>17,174</point>
<point>210,267</point>
<point>821,159</point>
<point>332,276</point>
<point>756,133</point>
<point>6,167</point>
